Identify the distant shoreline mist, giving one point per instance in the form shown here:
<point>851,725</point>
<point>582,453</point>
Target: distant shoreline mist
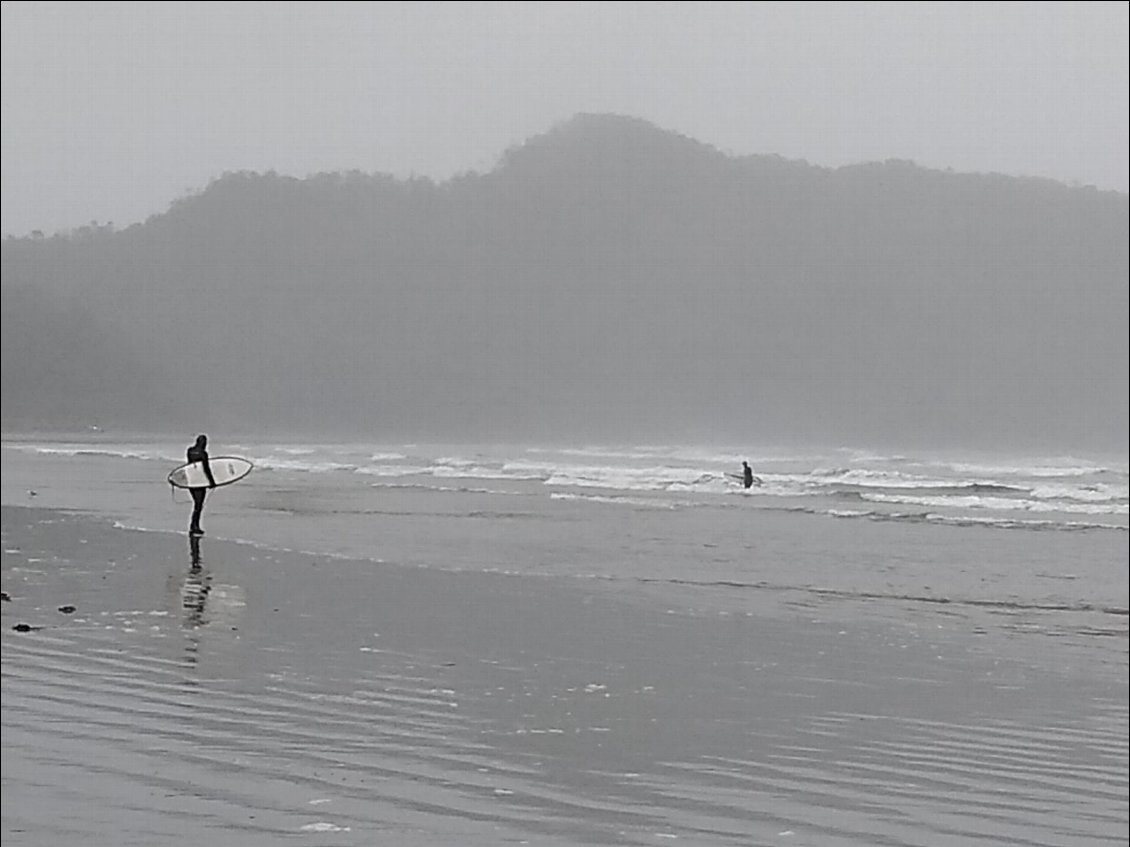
<point>607,280</point>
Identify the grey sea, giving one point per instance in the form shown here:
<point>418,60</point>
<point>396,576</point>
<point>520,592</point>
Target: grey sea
<point>419,644</point>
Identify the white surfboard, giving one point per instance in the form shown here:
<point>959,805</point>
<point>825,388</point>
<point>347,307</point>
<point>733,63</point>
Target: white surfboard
<point>738,478</point>
<point>225,470</point>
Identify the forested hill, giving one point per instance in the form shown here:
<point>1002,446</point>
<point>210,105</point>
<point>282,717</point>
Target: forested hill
<point>608,279</point>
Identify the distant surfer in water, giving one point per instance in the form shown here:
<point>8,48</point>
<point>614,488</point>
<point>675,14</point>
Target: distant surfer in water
<point>747,475</point>
<point>198,452</point>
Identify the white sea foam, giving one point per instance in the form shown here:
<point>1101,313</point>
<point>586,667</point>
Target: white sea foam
<point>455,462</point>
<point>276,463</point>
<point>324,826</point>
<point>1099,493</point>
<point>868,477</point>
<point>110,451</point>
<point>1000,504</point>
<point>638,502</point>
<point>1038,468</point>
<point>472,471</point>
<point>450,489</point>
<point>394,470</point>
<point>652,478</point>
<point>969,520</point>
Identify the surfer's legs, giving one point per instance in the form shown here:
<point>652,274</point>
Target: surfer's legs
<point>198,495</point>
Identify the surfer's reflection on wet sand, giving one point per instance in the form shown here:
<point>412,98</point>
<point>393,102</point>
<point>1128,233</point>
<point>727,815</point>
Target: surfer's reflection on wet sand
<point>194,597</point>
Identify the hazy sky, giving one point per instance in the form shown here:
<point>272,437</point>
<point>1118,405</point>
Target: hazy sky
<point>113,110</point>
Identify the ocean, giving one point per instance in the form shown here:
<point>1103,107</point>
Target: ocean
<point>862,648</point>
<point>1038,534</point>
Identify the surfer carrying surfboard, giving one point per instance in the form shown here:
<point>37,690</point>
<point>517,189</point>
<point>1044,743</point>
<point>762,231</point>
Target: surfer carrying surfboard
<point>198,452</point>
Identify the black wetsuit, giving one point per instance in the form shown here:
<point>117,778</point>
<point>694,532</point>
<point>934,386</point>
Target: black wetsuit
<point>198,454</point>
<point>747,477</point>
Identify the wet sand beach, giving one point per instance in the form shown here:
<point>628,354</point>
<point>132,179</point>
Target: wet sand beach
<point>238,695</point>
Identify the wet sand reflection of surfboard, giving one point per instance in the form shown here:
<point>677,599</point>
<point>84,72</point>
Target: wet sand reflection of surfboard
<point>225,470</point>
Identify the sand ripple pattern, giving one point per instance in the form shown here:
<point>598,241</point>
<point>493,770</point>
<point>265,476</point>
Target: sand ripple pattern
<point>255,696</point>
<point>375,745</point>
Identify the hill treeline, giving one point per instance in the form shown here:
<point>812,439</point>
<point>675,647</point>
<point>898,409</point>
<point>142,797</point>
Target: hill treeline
<point>607,279</point>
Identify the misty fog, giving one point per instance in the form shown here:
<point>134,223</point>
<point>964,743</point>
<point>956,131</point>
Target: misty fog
<point>608,279</point>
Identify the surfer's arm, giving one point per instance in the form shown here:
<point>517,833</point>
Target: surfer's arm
<point>208,473</point>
